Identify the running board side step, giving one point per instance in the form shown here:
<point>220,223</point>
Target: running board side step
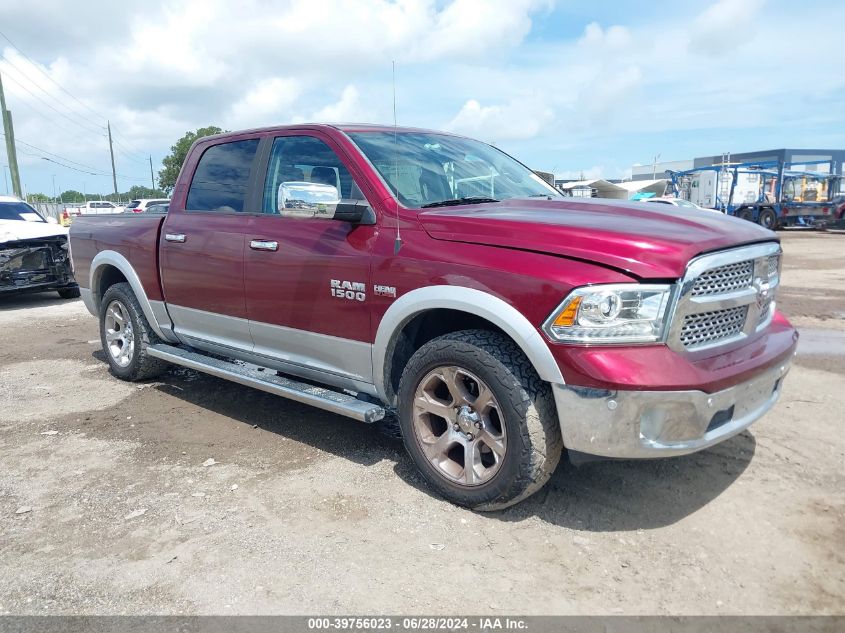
<point>267,380</point>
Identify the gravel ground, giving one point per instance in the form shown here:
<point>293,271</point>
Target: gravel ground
<point>107,506</point>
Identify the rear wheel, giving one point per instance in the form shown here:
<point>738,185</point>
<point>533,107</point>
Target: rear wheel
<point>477,420</point>
<point>125,335</point>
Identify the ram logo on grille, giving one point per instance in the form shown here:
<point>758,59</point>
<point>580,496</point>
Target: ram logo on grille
<point>762,287</point>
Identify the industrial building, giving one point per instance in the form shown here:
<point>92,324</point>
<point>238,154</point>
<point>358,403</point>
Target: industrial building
<point>795,156</point>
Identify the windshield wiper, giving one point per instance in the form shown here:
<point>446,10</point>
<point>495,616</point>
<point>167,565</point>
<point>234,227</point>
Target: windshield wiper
<point>455,201</point>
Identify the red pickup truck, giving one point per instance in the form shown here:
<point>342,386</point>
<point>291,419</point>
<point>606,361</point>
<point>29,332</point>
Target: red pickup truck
<point>435,286</point>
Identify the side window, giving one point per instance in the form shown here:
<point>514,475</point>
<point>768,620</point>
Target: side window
<point>222,176</point>
<point>305,159</point>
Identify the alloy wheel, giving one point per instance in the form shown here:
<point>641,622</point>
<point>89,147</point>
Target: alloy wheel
<point>458,425</point>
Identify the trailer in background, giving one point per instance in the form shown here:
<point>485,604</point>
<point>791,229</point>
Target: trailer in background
<point>773,194</point>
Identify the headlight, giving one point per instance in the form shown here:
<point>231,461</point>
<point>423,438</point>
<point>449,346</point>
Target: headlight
<point>616,313</point>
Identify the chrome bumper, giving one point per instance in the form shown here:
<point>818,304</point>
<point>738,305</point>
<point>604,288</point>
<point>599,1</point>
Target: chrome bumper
<point>642,424</point>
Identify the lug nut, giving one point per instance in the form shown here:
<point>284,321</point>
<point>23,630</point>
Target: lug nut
<point>456,427</point>
<point>469,436</point>
<point>478,425</point>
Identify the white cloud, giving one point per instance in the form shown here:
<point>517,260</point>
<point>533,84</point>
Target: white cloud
<point>725,26</point>
<point>520,118</point>
<point>347,108</point>
<point>268,102</point>
<point>612,39</point>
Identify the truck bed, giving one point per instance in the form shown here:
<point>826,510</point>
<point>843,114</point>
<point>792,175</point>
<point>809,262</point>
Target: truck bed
<point>135,236</point>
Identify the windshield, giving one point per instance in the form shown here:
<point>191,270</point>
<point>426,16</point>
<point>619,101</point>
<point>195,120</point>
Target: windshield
<point>427,168</point>
<point>19,211</point>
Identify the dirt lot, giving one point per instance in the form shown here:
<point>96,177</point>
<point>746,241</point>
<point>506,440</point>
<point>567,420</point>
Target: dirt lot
<point>306,512</point>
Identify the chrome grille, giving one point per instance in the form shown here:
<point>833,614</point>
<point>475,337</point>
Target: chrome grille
<point>725,279</point>
<point>764,313</point>
<point>706,327</point>
<point>725,298</point>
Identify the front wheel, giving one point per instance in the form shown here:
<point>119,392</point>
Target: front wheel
<point>768,219</point>
<point>125,335</point>
<point>477,420</point>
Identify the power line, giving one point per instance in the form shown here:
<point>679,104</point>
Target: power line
<point>57,84</point>
<point>26,76</point>
<point>59,112</point>
<point>128,147</point>
<point>130,155</point>
<point>100,172</point>
<point>72,132</point>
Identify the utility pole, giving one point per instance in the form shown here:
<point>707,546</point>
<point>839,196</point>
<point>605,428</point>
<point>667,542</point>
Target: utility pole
<point>11,151</point>
<point>54,187</point>
<point>5,178</point>
<point>152,178</point>
<point>111,151</point>
<point>654,167</point>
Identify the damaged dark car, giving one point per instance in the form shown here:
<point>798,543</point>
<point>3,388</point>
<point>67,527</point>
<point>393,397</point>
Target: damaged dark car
<point>34,254</point>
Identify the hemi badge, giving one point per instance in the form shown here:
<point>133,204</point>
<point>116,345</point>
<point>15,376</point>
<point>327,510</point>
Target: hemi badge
<point>384,291</point>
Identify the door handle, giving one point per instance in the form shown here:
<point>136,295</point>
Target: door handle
<point>264,245</point>
<point>174,237</point>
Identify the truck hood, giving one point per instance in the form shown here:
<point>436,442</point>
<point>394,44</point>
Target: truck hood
<point>647,241</point>
<point>12,230</point>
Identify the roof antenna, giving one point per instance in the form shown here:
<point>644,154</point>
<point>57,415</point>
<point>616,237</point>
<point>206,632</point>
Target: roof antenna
<point>397,243</point>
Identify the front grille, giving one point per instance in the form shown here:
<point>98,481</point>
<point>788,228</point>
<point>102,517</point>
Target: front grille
<point>764,313</point>
<point>725,279</point>
<point>726,297</point>
<point>707,327</point>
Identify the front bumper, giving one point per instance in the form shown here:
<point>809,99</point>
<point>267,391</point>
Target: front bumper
<point>35,265</point>
<point>643,424</point>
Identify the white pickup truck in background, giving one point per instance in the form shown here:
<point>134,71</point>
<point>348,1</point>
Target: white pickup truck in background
<point>92,207</point>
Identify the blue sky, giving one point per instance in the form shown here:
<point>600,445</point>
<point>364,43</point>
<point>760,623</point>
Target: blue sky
<point>569,87</point>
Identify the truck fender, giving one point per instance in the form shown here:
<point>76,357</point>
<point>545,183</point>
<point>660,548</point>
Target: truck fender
<point>482,304</point>
<point>154,311</point>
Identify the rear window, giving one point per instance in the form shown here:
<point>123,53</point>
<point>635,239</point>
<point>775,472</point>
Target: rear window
<point>134,204</point>
<point>221,178</point>
<point>19,211</point>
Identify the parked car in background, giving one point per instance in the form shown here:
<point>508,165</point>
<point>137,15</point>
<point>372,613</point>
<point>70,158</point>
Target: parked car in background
<point>505,324</point>
<point>140,206</point>
<point>92,207</point>
<point>678,202</point>
<point>158,208</point>
<point>34,253</point>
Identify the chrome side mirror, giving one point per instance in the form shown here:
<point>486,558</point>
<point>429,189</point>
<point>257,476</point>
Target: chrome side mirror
<point>307,200</point>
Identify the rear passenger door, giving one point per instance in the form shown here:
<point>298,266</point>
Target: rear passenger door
<point>202,246</point>
<point>292,264</point>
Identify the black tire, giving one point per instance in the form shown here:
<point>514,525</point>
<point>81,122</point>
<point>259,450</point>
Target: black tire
<point>528,416</point>
<point>69,293</point>
<point>141,366</point>
<point>768,219</point>
<point>745,214</point>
